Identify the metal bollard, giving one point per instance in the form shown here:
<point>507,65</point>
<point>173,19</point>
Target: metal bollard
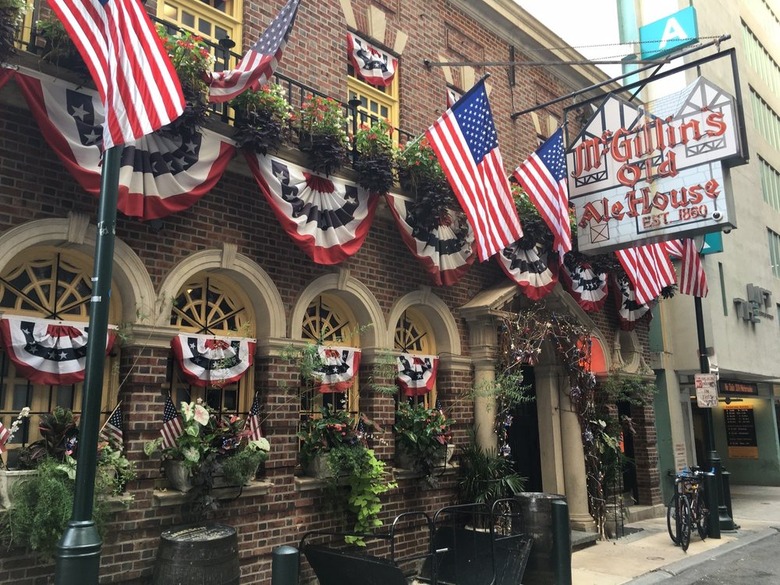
<point>284,565</point>
<point>727,494</point>
<point>711,491</point>
<point>561,553</point>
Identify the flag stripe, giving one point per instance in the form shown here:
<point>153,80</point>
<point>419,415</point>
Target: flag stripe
<point>134,77</point>
<point>649,270</point>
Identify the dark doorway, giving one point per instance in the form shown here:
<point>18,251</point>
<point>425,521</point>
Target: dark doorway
<point>524,437</point>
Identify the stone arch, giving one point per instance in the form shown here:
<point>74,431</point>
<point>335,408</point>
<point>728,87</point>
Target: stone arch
<point>435,311</point>
<point>353,292</point>
<point>265,299</point>
<point>75,232</point>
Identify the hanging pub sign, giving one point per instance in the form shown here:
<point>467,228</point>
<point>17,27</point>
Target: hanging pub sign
<point>642,174</point>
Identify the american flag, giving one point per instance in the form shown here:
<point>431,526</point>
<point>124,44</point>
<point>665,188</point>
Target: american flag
<point>253,422</point>
<point>260,61</point>
<point>466,143</point>
<point>112,430</point>
<point>171,428</point>
<point>136,81</point>
<point>5,434</point>
<point>648,269</point>
<point>543,176</point>
<point>693,279</point>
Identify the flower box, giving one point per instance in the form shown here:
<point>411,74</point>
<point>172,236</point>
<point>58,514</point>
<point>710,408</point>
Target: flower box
<point>8,478</point>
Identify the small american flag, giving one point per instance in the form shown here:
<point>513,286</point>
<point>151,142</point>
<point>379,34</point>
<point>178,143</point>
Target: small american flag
<point>648,269</point>
<point>171,428</point>
<point>466,143</point>
<point>543,176</point>
<point>136,81</point>
<point>693,279</point>
<point>5,434</point>
<point>253,421</point>
<point>112,430</point>
<point>260,61</point>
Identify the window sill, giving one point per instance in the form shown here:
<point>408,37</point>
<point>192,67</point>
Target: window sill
<point>162,498</point>
<point>305,483</point>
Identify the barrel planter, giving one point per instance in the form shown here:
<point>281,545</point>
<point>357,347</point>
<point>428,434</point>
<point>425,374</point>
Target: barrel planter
<point>537,515</point>
<point>204,554</point>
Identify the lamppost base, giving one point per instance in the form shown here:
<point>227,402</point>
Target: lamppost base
<point>78,554</point>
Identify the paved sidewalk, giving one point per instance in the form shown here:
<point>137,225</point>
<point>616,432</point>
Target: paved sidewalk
<point>648,556</point>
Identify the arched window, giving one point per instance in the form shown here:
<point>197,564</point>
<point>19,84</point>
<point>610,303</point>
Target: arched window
<point>328,321</point>
<point>47,283</point>
<point>413,335</point>
<point>210,305</point>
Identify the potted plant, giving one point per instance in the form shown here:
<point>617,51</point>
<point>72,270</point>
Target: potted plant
<point>422,438</point>
<point>57,48</point>
<point>9,472</point>
<point>486,476</point>
<point>11,16</point>
<point>114,470</point>
<point>320,435</point>
<point>261,118</point>
<point>322,126</point>
<point>59,431</point>
<point>206,444</point>
<point>193,62</point>
<point>375,156</point>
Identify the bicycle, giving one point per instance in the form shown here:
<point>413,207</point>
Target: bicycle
<point>687,508</point>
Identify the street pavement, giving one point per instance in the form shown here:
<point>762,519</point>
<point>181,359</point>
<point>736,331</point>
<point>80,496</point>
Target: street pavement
<point>647,555</point>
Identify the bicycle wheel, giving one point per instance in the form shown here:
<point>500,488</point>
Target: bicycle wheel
<point>671,519</point>
<point>685,523</point>
<point>702,517</point>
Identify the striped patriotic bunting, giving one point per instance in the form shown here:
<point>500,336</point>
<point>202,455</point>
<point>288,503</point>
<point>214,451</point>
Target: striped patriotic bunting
<point>466,143</point>
<point>136,81</point>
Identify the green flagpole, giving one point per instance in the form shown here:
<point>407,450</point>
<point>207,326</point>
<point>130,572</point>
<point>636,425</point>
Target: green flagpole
<point>77,560</point>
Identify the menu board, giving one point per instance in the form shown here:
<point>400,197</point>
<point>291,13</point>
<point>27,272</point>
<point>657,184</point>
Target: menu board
<point>741,432</point>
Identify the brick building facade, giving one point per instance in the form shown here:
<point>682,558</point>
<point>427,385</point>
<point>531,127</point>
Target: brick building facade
<point>232,236</point>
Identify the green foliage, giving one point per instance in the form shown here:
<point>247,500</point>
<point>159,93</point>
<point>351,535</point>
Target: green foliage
<point>486,476</point>
<point>261,117</point>
<point>42,508</point>
<point>423,434</point>
<point>114,470</point>
<point>242,466</point>
<point>364,475</point>
<point>189,54</point>
<point>334,428</point>
<point>323,117</point>
<point>635,390</point>
<point>58,432</point>
<point>376,156</point>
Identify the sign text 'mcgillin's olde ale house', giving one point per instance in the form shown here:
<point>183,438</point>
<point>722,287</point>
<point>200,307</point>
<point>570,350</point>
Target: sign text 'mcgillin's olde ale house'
<point>640,174</point>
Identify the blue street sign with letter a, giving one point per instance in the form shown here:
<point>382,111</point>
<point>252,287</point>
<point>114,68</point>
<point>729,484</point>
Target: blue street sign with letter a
<point>669,34</point>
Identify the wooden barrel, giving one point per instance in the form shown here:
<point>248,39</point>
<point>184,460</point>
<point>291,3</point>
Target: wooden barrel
<point>205,554</point>
<point>537,514</point>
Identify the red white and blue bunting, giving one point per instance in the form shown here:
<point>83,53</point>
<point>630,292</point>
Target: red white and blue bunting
<point>445,256</point>
<point>48,352</point>
<point>630,312</point>
<point>159,175</point>
<point>371,64</point>
<point>416,373</point>
<point>338,369</point>
<point>327,218</point>
<point>530,269</point>
<point>5,75</point>
<point>207,360</point>
<point>588,288</point>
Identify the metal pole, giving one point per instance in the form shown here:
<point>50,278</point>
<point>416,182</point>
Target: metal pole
<point>561,553</point>
<point>713,459</point>
<point>77,560</point>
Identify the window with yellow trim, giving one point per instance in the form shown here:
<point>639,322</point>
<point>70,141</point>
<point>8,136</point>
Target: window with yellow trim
<point>329,322</point>
<point>413,335</point>
<point>375,102</point>
<point>46,283</point>
<point>210,305</point>
<point>212,19</point>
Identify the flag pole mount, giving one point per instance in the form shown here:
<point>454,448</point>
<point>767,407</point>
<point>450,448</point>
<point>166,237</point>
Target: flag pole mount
<point>77,560</point>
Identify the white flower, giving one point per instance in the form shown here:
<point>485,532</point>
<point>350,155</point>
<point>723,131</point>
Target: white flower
<point>201,415</point>
<point>186,411</point>
<point>191,454</point>
<point>25,412</point>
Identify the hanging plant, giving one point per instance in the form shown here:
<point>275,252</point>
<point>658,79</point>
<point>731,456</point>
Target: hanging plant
<point>322,136</point>
<point>11,17</point>
<point>192,61</point>
<point>421,175</point>
<point>58,49</point>
<point>261,118</point>
<point>375,156</point>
